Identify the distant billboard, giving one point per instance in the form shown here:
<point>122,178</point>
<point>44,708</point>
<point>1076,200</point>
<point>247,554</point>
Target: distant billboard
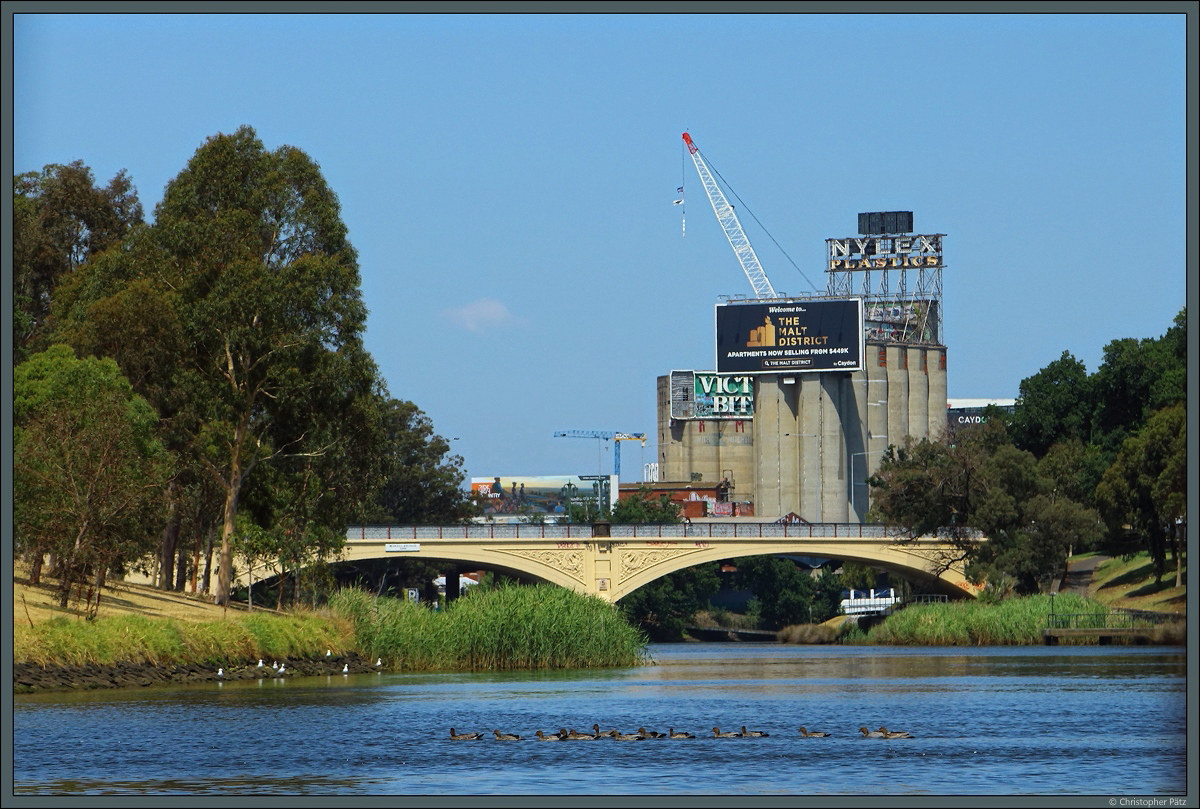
<point>706,395</point>
<point>912,321</point>
<point>546,495</point>
<point>790,335</point>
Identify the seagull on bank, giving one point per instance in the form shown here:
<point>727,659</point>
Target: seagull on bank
<point>260,663</point>
<point>378,662</point>
<point>220,672</point>
<point>346,669</point>
<point>281,668</point>
<point>275,665</point>
<point>329,652</point>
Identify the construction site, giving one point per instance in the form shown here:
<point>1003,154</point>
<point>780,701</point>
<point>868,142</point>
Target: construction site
<point>807,393</point>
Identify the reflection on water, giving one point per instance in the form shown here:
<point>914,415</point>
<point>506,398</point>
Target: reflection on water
<point>986,721</point>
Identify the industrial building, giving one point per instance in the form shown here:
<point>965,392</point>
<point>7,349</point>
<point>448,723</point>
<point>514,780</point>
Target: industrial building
<point>807,393</point>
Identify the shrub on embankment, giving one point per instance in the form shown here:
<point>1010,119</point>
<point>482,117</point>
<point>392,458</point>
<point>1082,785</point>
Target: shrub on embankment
<point>528,627</point>
<point>1012,622</point>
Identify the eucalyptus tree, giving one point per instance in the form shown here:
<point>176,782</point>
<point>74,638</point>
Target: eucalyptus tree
<point>248,277</point>
<point>267,285</point>
<point>423,480</point>
<point>61,218</point>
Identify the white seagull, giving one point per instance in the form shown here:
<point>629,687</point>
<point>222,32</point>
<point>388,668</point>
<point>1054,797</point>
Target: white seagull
<point>260,663</point>
<point>346,669</point>
<point>379,661</point>
<point>328,652</point>
<point>220,672</point>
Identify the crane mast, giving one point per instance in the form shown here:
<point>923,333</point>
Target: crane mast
<point>731,226</point>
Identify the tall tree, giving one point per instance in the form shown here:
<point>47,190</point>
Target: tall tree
<point>1055,404</point>
<point>269,296</point>
<point>1137,378</point>
<point>88,470</point>
<point>991,501</point>
<point>423,482</point>
<point>1143,495</point>
<point>60,220</point>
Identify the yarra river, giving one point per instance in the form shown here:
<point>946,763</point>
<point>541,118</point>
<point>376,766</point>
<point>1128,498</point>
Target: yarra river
<point>1005,721</point>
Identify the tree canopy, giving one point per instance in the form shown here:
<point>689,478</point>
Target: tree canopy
<point>89,473</point>
<point>237,315</point>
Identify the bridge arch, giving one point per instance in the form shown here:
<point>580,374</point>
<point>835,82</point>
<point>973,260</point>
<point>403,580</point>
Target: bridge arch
<point>632,556</point>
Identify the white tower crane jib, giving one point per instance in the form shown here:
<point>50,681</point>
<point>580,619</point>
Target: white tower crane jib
<point>731,226</point>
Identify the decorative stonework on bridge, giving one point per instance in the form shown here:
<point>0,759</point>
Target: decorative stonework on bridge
<point>613,566</point>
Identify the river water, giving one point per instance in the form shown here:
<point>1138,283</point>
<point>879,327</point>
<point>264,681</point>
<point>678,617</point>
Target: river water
<point>1060,721</point>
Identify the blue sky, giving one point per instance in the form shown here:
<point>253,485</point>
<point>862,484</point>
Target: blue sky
<point>508,181</point>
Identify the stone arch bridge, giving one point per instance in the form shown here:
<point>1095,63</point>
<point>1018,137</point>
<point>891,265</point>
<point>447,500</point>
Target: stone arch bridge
<point>612,566</point>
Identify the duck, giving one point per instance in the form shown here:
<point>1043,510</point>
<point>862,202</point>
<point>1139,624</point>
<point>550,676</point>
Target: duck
<point>717,734</point>
<point>625,737</point>
<point>894,734</point>
<point>464,737</point>
<point>507,737</point>
<point>870,734</point>
<point>572,734</point>
<point>816,734</point>
<point>671,734</point>
<point>650,734</point>
<point>553,737</point>
<point>753,733</point>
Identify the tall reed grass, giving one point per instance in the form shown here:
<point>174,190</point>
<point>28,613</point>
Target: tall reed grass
<point>1014,621</point>
<point>541,626</point>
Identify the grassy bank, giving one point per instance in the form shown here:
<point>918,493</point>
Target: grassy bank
<point>515,627</point>
<point>1130,584</point>
<point>1012,622</point>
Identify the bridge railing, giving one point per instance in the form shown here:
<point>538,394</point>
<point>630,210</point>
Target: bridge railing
<point>579,531</point>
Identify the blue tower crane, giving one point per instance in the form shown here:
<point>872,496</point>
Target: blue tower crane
<point>606,435</point>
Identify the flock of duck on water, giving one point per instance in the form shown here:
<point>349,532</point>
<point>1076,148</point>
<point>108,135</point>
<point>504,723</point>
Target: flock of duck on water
<point>571,735</point>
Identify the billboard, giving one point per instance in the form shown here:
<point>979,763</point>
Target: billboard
<point>912,321</point>
<point>707,395</point>
<point>546,495</point>
<point>790,335</point>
